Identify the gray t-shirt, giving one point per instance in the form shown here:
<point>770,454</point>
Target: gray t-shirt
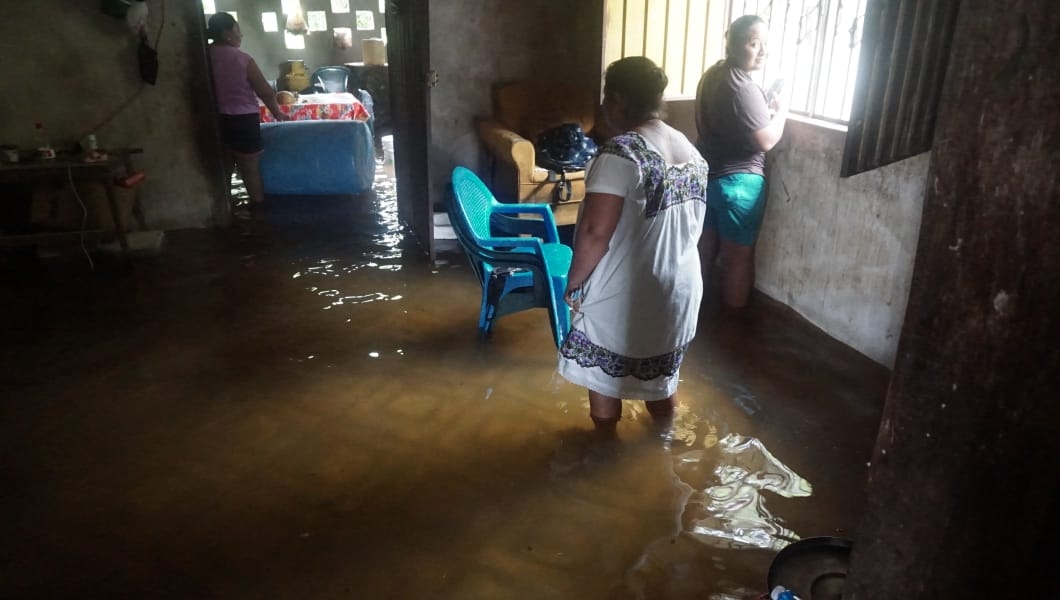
<point>729,108</point>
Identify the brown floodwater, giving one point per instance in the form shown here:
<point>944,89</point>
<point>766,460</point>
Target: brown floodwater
<point>300,407</point>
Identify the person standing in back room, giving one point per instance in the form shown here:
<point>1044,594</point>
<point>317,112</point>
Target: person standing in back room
<point>238,83</point>
<point>736,127</point>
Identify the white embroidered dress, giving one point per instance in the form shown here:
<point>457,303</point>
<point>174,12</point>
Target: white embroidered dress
<point>640,305</point>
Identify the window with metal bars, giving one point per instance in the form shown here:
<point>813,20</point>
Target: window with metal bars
<point>814,47</point>
<point>877,64</point>
<point>813,44</point>
<point>684,37</point>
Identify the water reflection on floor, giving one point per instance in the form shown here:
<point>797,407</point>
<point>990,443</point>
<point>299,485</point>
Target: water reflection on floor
<point>300,407</point>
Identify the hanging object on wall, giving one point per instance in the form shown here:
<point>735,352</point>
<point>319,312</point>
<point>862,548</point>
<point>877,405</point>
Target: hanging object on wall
<point>343,38</point>
<point>136,17</point>
<point>296,23</point>
<point>147,57</point>
<point>317,20</point>
<point>365,20</point>
<point>133,12</point>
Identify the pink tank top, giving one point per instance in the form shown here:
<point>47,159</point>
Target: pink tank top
<point>230,81</point>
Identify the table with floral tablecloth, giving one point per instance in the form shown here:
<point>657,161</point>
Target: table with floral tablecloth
<point>320,107</point>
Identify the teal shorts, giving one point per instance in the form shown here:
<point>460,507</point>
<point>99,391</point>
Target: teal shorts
<point>735,205</point>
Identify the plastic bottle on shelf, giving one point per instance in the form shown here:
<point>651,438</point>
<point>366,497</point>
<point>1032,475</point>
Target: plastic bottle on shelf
<point>44,148</point>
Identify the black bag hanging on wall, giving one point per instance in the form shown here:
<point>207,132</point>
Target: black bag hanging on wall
<point>562,149</point>
<point>148,59</point>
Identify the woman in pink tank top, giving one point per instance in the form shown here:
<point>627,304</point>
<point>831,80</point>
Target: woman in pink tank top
<point>238,83</point>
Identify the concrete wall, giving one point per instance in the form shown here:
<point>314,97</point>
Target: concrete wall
<point>476,43</point>
<point>70,67</point>
<point>838,251</point>
<point>269,49</point>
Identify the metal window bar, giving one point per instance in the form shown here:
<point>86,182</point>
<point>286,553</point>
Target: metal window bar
<point>644,32</point>
<point>684,56</point>
<point>852,52</point>
<point>666,34</point>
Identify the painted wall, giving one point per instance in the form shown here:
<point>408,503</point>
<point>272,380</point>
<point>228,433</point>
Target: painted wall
<point>269,49</point>
<point>71,67</point>
<point>476,43</point>
<point>838,251</point>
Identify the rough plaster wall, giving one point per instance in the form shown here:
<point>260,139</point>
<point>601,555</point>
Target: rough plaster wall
<point>70,66</point>
<point>269,49</point>
<point>477,43</point>
<point>840,251</point>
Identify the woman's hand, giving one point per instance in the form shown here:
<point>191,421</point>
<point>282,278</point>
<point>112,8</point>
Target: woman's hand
<point>573,297</point>
<point>281,116</point>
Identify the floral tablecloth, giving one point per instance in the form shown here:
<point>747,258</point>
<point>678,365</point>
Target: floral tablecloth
<point>320,107</point>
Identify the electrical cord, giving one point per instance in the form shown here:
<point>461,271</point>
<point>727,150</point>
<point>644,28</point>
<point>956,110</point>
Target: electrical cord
<point>84,216</point>
<point>103,123</point>
<point>143,85</point>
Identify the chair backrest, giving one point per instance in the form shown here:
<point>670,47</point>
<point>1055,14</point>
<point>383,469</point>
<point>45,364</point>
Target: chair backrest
<point>474,202</point>
<point>331,79</point>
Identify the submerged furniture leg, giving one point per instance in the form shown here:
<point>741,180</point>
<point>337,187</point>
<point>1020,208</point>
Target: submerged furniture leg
<point>119,225</point>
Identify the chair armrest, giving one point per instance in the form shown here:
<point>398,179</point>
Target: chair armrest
<point>546,224</point>
<point>508,146</point>
<point>531,243</point>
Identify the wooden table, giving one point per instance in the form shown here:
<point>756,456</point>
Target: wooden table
<point>74,169</point>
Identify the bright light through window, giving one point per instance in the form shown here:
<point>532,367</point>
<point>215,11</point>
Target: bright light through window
<point>293,42</point>
<point>269,23</point>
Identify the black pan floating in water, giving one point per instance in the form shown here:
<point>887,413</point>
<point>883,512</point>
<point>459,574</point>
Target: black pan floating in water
<point>812,568</point>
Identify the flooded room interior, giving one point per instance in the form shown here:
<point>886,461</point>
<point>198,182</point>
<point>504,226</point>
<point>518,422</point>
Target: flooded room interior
<point>207,397</point>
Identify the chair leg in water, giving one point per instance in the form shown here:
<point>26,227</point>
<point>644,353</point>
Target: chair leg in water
<point>491,298</point>
<point>521,265</point>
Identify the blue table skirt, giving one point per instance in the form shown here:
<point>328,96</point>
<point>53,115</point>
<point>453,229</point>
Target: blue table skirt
<point>317,157</point>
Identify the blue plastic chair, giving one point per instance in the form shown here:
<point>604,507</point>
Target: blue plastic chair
<point>519,261</point>
<point>331,79</point>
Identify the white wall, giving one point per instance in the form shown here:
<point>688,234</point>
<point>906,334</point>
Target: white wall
<point>840,251</point>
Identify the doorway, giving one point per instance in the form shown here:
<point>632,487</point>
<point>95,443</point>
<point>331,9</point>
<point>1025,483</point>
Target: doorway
<point>408,52</point>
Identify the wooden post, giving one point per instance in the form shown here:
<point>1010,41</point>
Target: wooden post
<point>962,491</point>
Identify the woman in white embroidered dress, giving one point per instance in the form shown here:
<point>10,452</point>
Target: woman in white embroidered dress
<point>635,283</point>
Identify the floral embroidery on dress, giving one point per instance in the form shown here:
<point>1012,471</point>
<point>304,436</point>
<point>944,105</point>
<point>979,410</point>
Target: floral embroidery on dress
<point>580,348</point>
<point>664,186</point>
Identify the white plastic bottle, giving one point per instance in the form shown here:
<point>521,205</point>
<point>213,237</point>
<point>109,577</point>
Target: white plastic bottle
<point>44,149</point>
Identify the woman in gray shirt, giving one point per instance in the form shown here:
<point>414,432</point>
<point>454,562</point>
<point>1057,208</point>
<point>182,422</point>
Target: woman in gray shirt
<point>736,127</point>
